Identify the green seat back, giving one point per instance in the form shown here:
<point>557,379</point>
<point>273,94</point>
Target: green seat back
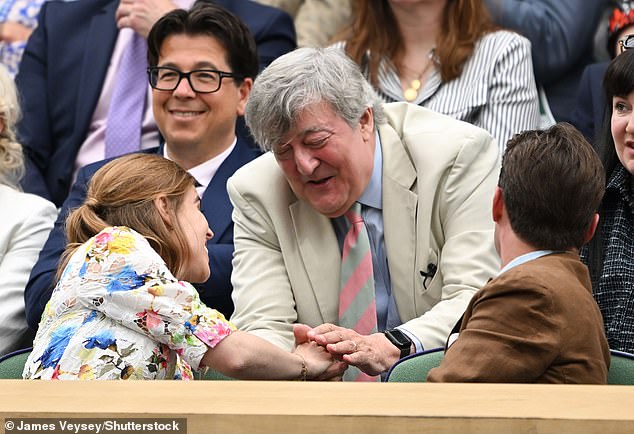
<point>12,365</point>
<point>414,369</point>
<point>210,374</point>
<point>621,368</point>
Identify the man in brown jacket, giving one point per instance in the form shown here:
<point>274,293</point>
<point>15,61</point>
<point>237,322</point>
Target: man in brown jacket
<point>537,321</point>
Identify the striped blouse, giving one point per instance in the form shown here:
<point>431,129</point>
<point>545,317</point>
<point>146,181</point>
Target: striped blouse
<point>496,90</point>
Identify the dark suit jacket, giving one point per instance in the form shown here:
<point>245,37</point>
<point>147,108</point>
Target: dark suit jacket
<point>215,292</point>
<point>590,108</point>
<point>63,70</point>
<point>535,323</point>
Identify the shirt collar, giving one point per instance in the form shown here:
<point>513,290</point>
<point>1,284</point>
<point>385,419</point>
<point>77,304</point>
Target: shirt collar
<point>522,259</point>
<point>372,195</point>
<point>204,172</point>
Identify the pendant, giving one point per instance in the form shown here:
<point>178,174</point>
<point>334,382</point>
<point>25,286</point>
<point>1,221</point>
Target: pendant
<point>410,94</point>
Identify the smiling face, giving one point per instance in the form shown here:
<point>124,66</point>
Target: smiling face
<point>197,126</point>
<point>196,229</point>
<point>326,162</point>
<point>622,126</point>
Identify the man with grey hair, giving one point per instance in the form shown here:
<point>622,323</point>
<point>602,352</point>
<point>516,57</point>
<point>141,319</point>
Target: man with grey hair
<point>423,182</point>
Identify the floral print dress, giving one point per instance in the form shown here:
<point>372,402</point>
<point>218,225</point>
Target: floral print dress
<point>118,313</point>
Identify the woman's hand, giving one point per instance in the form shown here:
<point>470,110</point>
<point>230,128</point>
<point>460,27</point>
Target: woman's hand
<point>319,363</point>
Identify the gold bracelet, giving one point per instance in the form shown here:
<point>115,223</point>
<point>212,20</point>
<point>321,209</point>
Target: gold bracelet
<point>304,372</point>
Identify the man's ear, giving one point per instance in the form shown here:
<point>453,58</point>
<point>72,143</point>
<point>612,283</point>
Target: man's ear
<point>244,90</point>
<point>162,206</point>
<point>592,228</point>
<point>497,209</point>
<point>366,123</point>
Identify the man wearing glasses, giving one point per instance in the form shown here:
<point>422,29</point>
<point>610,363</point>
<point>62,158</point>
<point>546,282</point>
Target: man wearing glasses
<point>202,65</point>
<point>83,82</point>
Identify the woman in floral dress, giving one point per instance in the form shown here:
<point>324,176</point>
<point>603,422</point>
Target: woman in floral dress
<point>123,307</point>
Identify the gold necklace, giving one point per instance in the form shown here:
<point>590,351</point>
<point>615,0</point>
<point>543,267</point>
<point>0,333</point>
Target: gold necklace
<point>411,92</point>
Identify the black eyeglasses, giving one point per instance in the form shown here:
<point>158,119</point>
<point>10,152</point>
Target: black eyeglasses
<point>626,43</point>
<point>200,80</point>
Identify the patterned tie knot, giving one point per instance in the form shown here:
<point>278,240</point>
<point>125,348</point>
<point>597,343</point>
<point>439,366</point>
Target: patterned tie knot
<point>354,214</point>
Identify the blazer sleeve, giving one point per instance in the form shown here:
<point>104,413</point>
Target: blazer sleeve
<point>560,32</point>
<point>26,238</point>
<point>583,116</point>
<point>512,104</point>
<point>275,38</point>
<point>318,21</point>
<point>42,280</point>
<point>263,297</point>
<point>34,130</point>
<point>509,335</point>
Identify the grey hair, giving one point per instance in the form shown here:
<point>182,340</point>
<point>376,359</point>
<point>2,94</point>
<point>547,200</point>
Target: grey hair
<point>302,78</point>
<point>11,157</point>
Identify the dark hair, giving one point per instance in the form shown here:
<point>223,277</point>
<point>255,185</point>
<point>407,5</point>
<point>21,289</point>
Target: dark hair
<point>122,193</point>
<point>617,81</point>
<point>209,20</point>
<point>374,28</point>
<point>552,183</point>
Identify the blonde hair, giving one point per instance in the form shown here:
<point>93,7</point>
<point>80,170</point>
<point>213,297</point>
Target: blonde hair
<point>122,193</point>
<point>11,158</point>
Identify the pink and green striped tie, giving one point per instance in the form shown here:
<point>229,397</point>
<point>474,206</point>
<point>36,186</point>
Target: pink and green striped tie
<point>357,300</point>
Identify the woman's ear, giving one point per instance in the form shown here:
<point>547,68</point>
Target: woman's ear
<point>162,206</point>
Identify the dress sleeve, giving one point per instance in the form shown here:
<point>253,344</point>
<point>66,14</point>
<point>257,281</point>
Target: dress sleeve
<point>124,278</point>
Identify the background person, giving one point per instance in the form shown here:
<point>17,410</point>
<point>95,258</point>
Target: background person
<point>122,308</point>
<point>536,322</point>
<point>25,221</point>
<point>561,33</point>
<point>589,113</point>
<point>316,21</point>
<point>610,254</point>
<point>73,67</point>
<point>448,56</point>
<point>18,18</point>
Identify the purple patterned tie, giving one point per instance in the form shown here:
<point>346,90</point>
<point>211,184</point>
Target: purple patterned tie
<point>125,114</point>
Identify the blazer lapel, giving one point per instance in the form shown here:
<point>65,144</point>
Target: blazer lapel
<point>399,216</point>
<point>101,37</point>
<point>215,200</point>
<point>320,255</point>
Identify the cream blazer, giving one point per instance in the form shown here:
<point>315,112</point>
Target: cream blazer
<point>439,176</point>
<point>25,221</point>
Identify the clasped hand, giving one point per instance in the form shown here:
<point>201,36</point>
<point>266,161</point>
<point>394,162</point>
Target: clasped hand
<point>373,354</point>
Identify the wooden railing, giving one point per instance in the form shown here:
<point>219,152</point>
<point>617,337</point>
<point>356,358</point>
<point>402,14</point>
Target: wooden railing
<point>294,407</point>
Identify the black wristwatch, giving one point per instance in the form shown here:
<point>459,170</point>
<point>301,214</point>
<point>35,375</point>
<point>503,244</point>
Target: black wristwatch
<point>400,341</point>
